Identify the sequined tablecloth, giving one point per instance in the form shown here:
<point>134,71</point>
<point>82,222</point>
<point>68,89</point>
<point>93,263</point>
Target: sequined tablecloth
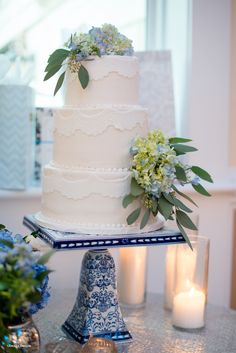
<point>150,327</point>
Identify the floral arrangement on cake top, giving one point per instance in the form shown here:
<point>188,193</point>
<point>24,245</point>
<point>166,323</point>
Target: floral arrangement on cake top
<point>104,40</point>
<point>157,169</point>
<point>23,280</point>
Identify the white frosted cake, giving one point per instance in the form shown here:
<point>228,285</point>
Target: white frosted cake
<point>89,175</point>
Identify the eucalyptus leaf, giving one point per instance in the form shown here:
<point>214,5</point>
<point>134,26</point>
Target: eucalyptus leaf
<point>45,257</point>
<point>51,66</point>
<point>83,76</point>
<point>180,173</point>
<point>165,207</point>
<point>128,199</point>
<point>182,149</point>
<point>183,195</point>
<point>52,72</point>
<point>177,203</point>
<point>136,189</point>
<point>58,55</point>
<point>59,83</point>
<point>184,220</point>
<point>202,173</point>
<point>145,218</point>
<point>186,238</point>
<point>154,207</point>
<point>174,140</point>
<point>201,190</point>
<point>133,216</point>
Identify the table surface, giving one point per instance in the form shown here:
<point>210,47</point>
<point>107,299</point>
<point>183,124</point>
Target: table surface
<point>150,327</point>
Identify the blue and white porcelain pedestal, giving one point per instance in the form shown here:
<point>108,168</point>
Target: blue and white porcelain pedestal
<point>96,311</point>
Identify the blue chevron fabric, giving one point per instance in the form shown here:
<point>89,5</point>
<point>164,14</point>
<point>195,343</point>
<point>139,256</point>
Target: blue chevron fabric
<point>16,136</point>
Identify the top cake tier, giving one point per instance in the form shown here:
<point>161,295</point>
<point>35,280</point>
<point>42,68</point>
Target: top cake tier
<point>113,79</point>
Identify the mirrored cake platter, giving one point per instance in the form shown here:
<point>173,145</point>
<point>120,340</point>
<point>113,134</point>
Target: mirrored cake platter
<point>66,240</point>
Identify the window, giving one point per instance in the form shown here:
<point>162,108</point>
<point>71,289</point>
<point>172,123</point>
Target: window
<point>152,24</point>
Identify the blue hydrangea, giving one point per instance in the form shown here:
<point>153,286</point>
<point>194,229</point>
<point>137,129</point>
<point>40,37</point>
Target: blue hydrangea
<point>43,290</point>
<point>5,235</point>
<point>195,180</point>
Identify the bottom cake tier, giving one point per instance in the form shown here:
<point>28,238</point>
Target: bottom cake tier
<point>88,201</point>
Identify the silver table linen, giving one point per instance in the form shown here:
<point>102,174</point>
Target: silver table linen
<point>150,327</point>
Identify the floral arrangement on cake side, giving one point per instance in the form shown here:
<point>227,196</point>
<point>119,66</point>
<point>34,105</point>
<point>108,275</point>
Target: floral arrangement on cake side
<point>99,41</point>
<point>23,281</point>
<point>157,170</point>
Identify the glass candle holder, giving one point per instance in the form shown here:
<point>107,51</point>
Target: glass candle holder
<point>191,284</point>
<point>132,276</point>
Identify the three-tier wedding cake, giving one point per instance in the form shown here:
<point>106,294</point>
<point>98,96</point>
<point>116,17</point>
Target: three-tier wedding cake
<point>89,175</point>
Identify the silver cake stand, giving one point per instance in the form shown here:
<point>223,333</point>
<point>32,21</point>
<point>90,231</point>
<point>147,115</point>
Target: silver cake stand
<point>96,310</point>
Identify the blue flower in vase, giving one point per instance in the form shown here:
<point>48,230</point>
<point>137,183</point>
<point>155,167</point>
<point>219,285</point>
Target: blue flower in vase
<point>5,235</point>
<point>43,290</point>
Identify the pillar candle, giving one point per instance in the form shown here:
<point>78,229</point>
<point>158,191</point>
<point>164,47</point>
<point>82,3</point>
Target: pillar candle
<point>170,276</point>
<point>189,309</point>
<point>132,275</point>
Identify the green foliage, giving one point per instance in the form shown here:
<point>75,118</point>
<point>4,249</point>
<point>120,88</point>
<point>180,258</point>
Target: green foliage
<point>133,216</point>
<point>165,207</point>
<point>186,238</point>
<point>55,63</point>
<point>58,56</point>
<point>83,76</point>
<point>183,149</point>
<point>145,218</point>
<point>176,202</point>
<point>180,173</point>
<point>59,82</point>
<point>128,199</point>
<point>183,195</point>
<point>136,189</point>
<point>201,190</point>
<point>156,168</point>
<point>184,220</point>
<point>203,174</point>
<point>174,140</point>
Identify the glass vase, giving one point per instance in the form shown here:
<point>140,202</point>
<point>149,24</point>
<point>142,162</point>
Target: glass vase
<point>23,336</point>
<point>191,284</point>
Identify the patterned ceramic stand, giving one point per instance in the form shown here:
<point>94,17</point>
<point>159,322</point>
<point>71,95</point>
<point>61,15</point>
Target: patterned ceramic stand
<point>96,311</point>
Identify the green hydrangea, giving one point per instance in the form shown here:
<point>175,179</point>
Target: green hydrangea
<point>154,163</point>
<point>157,170</point>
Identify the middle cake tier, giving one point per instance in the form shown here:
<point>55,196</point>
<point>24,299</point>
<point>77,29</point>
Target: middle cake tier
<point>97,136</point>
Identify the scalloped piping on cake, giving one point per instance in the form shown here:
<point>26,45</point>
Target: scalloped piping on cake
<point>87,169</point>
<point>97,124</point>
<point>72,225</point>
<point>98,71</point>
<point>82,184</point>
